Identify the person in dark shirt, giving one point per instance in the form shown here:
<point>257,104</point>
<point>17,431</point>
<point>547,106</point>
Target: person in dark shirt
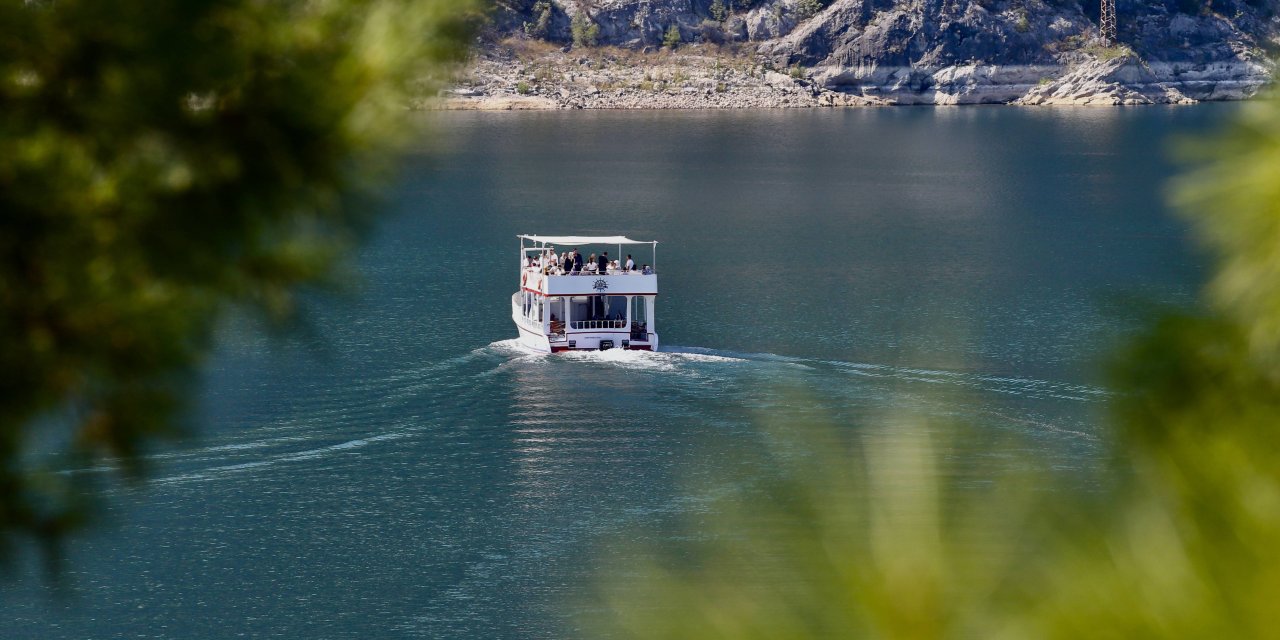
<point>577,262</point>
<point>604,262</point>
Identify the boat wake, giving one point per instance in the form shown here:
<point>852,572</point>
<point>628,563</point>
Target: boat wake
<point>677,358</point>
<point>505,378</point>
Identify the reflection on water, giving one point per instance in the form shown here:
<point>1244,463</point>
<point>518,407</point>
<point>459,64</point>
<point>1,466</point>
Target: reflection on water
<point>418,474</point>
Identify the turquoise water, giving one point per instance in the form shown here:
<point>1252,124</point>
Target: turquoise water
<point>405,470</point>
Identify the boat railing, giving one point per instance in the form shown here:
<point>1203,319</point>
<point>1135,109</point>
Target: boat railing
<point>598,324</point>
<point>517,310</point>
<point>612,272</point>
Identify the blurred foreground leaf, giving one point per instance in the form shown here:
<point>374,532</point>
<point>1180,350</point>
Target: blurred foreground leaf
<point>1184,541</point>
<point>159,161</point>
<point>852,538</point>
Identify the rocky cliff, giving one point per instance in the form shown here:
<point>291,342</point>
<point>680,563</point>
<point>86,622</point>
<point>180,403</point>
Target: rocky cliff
<point>900,51</point>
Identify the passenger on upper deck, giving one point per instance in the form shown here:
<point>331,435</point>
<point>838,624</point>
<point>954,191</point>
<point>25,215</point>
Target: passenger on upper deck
<point>577,261</point>
<point>604,263</point>
<point>630,265</point>
<point>591,265</point>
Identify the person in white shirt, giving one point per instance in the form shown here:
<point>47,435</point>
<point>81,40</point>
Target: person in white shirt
<point>630,266</point>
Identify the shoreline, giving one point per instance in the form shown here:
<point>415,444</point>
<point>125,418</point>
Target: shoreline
<point>522,75</point>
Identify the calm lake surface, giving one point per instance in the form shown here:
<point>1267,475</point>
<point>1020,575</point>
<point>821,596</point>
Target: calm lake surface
<point>406,471</point>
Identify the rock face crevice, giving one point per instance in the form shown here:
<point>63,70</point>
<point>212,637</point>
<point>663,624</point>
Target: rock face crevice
<point>920,51</point>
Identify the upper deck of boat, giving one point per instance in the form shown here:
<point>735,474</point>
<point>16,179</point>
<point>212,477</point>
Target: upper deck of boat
<point>615,283</point>
<point>552,280</point>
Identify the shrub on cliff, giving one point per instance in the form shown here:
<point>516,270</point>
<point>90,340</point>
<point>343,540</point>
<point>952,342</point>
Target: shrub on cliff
<point>672,38</point>
<point>718,11</point>
<point>541,25</point>
<point>806,9</point>
<point>586,33</point>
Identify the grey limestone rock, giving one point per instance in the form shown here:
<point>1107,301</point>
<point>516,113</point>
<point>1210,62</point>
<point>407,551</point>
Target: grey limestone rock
<point>943,51</point>
<point>922,32</point>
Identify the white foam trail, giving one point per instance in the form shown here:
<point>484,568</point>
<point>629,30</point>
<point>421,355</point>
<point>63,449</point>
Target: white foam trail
<point>694,362</point>
<point>297,456</point>
<point>671,358</point>
<point>625,359</point>
<point>663,360</point>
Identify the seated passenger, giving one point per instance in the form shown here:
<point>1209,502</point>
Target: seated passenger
<point>646,270</point>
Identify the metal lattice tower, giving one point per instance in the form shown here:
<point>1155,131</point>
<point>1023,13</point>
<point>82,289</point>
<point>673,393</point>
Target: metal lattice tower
<point>1107,23</point>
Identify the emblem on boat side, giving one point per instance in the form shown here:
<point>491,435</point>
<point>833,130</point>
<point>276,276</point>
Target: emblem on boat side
<point>600,285</point>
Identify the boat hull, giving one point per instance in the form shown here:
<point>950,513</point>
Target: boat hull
<point>582,341</point>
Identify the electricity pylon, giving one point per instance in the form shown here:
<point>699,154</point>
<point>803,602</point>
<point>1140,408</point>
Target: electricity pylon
<point>1107,24</point>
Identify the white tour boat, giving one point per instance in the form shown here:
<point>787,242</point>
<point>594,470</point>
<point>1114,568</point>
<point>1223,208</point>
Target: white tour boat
<point>584,309</point>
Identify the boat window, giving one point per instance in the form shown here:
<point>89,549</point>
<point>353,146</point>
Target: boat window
<point>580,308</point>
<point>555,311</point>
<point>638,313</point>
<point>615,307</point>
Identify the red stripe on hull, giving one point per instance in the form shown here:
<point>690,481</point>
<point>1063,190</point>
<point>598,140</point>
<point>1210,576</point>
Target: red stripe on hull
<point>559,349</point>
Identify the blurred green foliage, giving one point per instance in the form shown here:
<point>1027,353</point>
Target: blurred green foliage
<point>875,540</point>
<point>851,539</point>
<point>160,161</point>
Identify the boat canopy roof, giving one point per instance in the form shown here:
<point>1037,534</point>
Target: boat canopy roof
<point>586,240</point>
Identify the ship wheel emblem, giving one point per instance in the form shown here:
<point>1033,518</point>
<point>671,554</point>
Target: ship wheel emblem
<point>600,285</point>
